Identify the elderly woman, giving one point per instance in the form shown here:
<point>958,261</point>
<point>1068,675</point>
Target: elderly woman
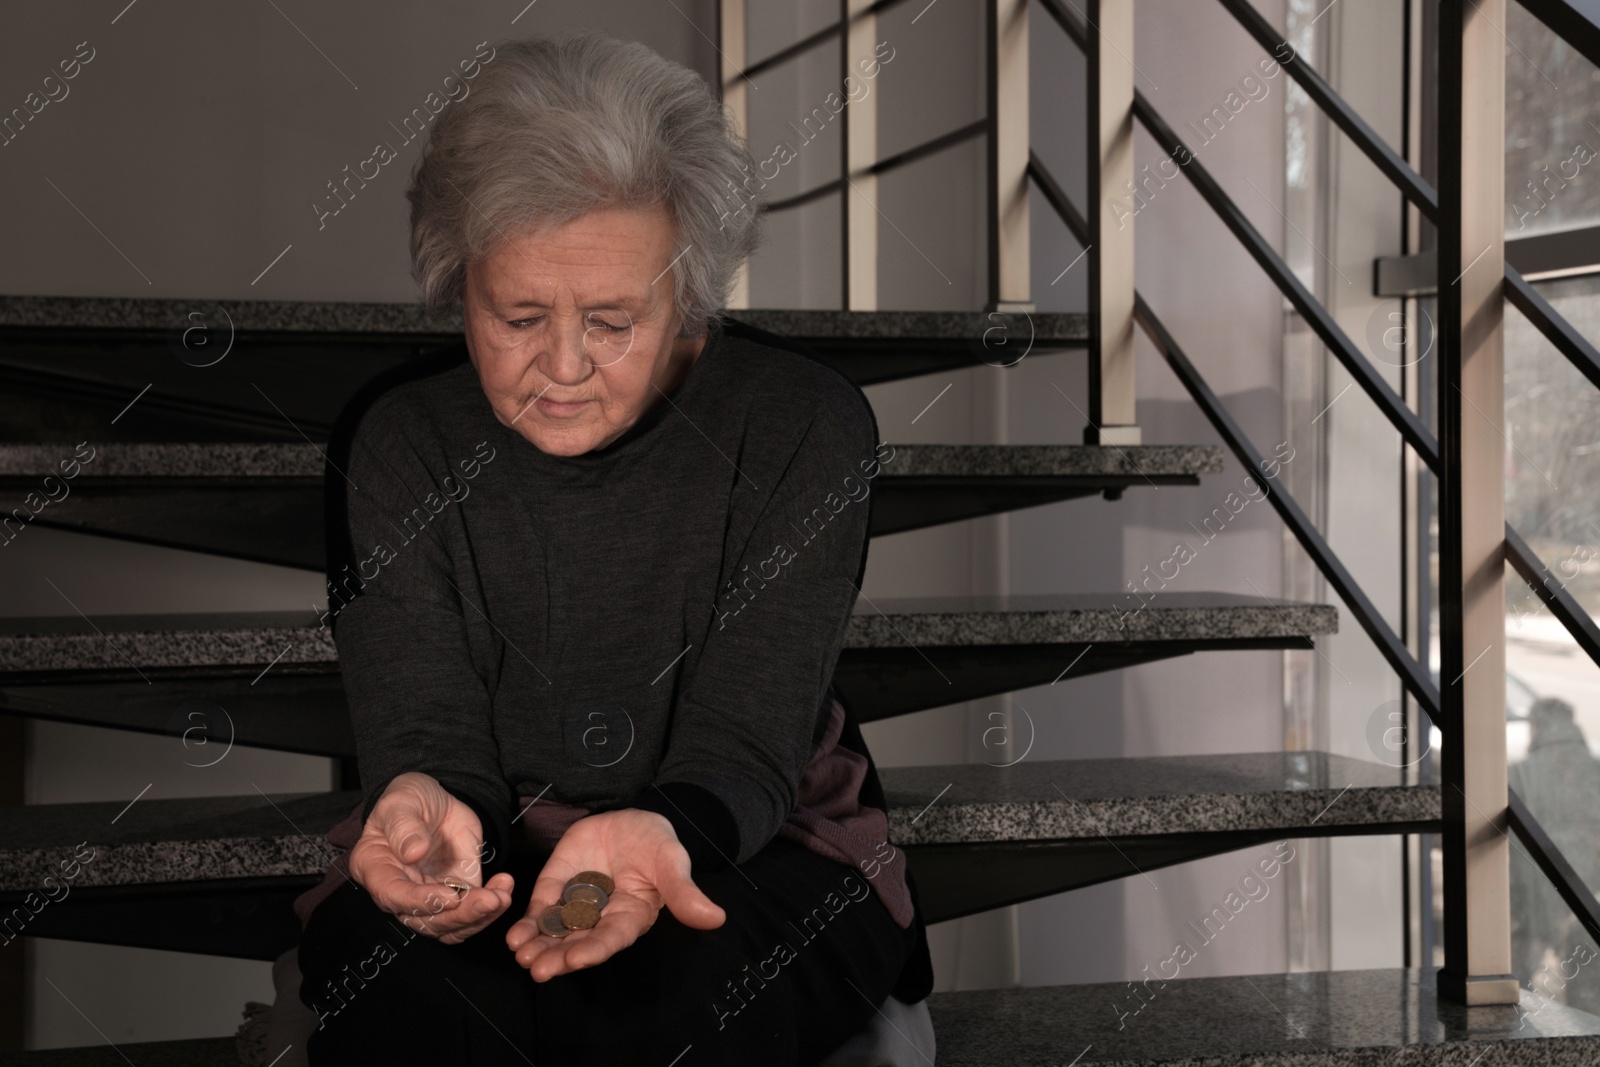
<point>601,574</point>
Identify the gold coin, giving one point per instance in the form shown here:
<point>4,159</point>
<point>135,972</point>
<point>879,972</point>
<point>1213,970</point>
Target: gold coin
<point>580,914</point>
<point>551,922</point>
<point>458,885</point>
<point>585,891</point>
<point>594,878</point>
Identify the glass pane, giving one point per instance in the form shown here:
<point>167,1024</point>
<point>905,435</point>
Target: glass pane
<point>1553,438</point>
<point>1552,130</point>
<point>1552,687</point>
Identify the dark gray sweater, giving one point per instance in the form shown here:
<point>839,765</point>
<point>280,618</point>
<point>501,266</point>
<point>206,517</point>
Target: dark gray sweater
<point>653,624</point>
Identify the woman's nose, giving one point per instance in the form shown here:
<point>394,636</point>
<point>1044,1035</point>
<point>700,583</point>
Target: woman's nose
<point>567,360</point>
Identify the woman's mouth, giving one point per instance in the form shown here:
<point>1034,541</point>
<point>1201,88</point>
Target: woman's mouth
<point>560,409</point>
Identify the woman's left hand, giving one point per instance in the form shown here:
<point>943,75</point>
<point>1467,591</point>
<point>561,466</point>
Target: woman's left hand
<point>649,868</point>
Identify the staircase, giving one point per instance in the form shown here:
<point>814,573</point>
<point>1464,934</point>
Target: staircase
<point>231,462</point>
<point>232,466</point>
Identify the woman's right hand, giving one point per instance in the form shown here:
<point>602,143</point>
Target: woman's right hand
<point>418,834</point>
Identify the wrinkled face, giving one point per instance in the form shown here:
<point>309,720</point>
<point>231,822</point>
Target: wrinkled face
<point>573,330</point>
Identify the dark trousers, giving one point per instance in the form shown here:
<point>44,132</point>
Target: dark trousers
<point>804,958</point>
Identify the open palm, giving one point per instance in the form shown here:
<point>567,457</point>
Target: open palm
<point>650,869</point>
<point>417,835</point>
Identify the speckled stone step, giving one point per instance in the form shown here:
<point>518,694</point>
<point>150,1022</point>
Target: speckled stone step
<point>210,459</point>
<point>118,313</point>
<point>154,840</point>
<point>867,346</point>
<point>304,460</point>
<point>1367,1018</point>
<point>880,346</point>
<point>62,312</point>
<point>1044,327</point>
<point>1079,618</point>
<point>1040,800</point>
<point>1334,1019</point>
<point>295,641</point>
<point>287,640</point>
<point>263,500</point>
<point>1054,461</point>
<point>197,1052</point>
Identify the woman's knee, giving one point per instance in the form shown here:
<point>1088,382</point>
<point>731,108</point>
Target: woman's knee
<point>368,977</point>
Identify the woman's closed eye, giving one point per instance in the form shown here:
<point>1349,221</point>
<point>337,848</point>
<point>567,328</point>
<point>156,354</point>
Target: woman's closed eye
<point>594,323</point>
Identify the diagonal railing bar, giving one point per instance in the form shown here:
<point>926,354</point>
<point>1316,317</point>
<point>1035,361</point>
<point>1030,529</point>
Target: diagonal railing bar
<point>975,128</point>
<point>1578,622</point>
<point>1068,23</point>
<point>1556,867</point>
<point>883,166</point>
<point>1583,355</point>
<point>806,197</point>
<point>1412,675</point>
<point>1416,188</point>
<point>1058,198</point>
<point>1557,330</point>
<point>1411,428</point>
<point>1578,28</point>
<point>1526,299</point>
<point>783,55</point>
<point>788,52</point>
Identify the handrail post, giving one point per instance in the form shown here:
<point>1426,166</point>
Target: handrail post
<point>1477,897</point>
<point>1009,265</point>
<point>1110,89</point>
<point>734,92</point>
<point>860,195</point>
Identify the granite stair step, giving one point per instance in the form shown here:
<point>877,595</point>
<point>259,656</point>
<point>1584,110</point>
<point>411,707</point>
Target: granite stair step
<point>252,371</point>
<point>1369,1018</point>
<point>195,1052</point>
<point>247,371</point>
<point>927,485</point>
<point>976,836</point>
<point>263,500</point>
<point>1015,827</point>
<point>1366,1018</point>
<point>879,346</point>
<point>270,679</point>
<point>909,654</point>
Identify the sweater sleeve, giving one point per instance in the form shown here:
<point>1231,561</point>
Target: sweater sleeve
<point>746,718</point>
<point>417,700</point>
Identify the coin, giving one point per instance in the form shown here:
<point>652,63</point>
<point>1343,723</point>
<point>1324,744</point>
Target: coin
<point>458,885</point>
<point>552,923</point>
<point>580,914</point>
<point>586,891</point>
<point>594,878</point>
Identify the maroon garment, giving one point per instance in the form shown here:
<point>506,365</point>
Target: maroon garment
<point>830,820</point>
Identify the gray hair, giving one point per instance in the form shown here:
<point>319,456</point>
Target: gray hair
<point>554,128</point>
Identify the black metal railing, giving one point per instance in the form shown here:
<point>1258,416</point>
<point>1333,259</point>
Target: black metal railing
<point>1412,674</point>
<point>1584,34</point>
<point>1518,292</point>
